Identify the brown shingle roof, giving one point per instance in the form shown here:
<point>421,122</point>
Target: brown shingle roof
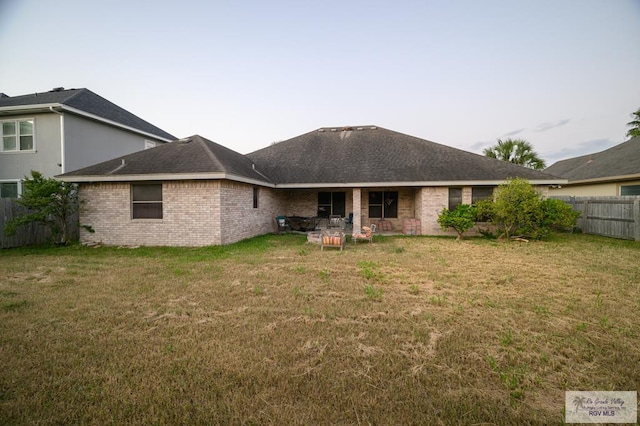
<point>192,156</point>
<point>374,154</point>
<point>366,155</point>
<point>619,160</point>
<point>87,101</point>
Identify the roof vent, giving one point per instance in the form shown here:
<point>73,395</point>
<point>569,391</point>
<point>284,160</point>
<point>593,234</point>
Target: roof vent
<point>373,127</point>
<point>184,141</point>
<point>345,135</point>
<point>359,128</point>
<point>333,130</point>
<point>321,130</point>
<point>57,89</point>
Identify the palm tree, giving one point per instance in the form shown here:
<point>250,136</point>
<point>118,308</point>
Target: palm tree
<point>517,151</point>
<point>634,131</point>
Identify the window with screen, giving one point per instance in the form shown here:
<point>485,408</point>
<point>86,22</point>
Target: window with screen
<point>455,198</point>
<point>479,193</point>
<point>146,201</point>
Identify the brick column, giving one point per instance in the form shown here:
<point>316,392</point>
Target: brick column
<point>357,213</point>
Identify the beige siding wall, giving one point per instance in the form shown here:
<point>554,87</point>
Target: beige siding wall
<point>195,213</point>
<point>595,190</point>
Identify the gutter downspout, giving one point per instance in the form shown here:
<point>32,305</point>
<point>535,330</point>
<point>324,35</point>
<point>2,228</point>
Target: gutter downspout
<point>62,144</point>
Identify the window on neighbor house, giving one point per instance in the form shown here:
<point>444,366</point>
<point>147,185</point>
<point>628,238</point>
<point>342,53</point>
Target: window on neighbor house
<point>383,204</point>
<point>331,203</point>
<point>630,190</point>
<point>256,192</point>
<point>8,189</point>
<point>455,198</point>
<point>17,135</point>
<point>146,201</point>
<point>150,144</point>
<point>479,193</point>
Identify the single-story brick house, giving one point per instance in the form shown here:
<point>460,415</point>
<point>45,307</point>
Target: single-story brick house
<point>194,192</point>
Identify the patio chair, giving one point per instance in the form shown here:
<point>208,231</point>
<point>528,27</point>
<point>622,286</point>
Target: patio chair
<point>282,223</point>
<point>365,234</point>
<point>348,222</point>
<point>332,239</point>
<point>335,221</point>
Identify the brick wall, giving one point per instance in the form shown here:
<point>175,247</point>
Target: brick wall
<point>195,213</point>
<point>190,215</point>
<point>432,201</point>
<point>304,202</point>
<point>239,220</point>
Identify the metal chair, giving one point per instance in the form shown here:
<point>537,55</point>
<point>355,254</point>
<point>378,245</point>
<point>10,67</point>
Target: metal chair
<point>365,234</point>
<point>335,221</point>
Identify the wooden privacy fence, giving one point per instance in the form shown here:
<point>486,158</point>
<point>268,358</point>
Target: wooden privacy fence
<point>617,217</point>
<point>27,235</point>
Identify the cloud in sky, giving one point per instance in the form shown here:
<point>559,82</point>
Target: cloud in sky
<point>543,127</point>
<point>514,132</point>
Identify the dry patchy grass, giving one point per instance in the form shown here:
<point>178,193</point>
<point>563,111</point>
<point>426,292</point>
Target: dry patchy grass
<point>274,331</point>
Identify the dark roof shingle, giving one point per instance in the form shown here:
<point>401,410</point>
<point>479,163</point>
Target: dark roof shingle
<point>619,160</point>
<point>193,155</point>
<point>87,101</point>
<point>361,156</point>
<point>369,154</point>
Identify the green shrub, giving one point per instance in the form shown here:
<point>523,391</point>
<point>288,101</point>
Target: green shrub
<point>460,219</point>
<point>519,210</point>
<point>558,215</point>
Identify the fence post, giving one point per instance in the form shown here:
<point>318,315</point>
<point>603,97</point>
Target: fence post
<point>585,217</point>
<point>636,219</point>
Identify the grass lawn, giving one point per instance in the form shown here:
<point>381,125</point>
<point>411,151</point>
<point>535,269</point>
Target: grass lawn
<point>271,330</point>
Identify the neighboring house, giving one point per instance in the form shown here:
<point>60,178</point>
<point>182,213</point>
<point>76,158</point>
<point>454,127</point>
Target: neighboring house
<point>63,130</point>
<point>195,192</point>
<point>615,171</point>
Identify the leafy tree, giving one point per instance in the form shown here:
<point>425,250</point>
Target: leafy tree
<point>519,210</point>
<point>460,219</point>
<point>50,202</point>
<point>634,131</point>
<point>517,151</point>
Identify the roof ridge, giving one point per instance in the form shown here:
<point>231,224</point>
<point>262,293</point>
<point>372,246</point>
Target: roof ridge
<point>208,151</point>
<point>73,95</point>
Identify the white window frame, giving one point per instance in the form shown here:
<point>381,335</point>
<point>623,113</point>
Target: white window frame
<point>17,122</point>
<point>19,185</point>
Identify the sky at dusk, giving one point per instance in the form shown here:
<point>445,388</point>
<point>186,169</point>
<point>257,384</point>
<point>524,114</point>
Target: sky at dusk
<point>564,75</point>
